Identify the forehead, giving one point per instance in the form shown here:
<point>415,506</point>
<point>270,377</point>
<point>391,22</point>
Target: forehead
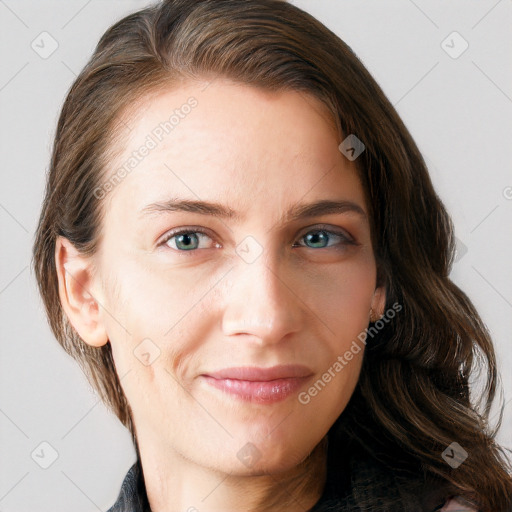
<point>232,139</point>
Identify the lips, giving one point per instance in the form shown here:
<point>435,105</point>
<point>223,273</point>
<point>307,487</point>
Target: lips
<point>253,373</point>
<point>259,385</point>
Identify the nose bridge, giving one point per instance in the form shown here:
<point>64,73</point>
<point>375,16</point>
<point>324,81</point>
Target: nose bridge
<point>260,301</point>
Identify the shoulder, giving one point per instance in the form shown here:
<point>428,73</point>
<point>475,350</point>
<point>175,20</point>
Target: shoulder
<point>457,504</point>
<point>132,495</point>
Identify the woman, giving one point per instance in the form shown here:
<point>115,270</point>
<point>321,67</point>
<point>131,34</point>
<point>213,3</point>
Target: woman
<point>241,246</point>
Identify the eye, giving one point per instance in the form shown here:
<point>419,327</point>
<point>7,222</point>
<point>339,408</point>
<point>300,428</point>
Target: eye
<point>189,239</point>
<point>185,239</point>
<point>320,238</point>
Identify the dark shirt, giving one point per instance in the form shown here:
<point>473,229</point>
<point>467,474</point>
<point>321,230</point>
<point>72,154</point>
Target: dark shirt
<point>370,488</point>
<point>132,496</point>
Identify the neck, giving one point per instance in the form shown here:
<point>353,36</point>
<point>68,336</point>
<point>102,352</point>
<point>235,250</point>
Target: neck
<point>181,485</point>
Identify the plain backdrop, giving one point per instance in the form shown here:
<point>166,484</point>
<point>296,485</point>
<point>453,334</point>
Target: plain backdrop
<point>445,66</point>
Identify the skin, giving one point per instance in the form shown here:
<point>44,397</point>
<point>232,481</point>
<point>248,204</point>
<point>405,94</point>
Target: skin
<point>205,309</point>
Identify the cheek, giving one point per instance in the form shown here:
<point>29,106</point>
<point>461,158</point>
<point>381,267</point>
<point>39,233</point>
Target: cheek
<point>343,295</point>
<point>149,316</point>
<point>342,301</point>
<point>151,300</point>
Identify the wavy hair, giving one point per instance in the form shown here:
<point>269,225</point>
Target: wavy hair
<point>413,395</point>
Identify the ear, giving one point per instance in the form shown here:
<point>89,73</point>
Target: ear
<point>379,301</point>
<point>76,285</point>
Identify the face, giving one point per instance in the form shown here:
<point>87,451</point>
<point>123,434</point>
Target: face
<point>258,280</point>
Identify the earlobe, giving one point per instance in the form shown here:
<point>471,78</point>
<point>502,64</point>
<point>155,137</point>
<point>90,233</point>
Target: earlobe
<point>82,307</point>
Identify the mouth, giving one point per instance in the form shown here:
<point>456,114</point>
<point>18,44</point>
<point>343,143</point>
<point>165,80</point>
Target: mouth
<point>259,385</point>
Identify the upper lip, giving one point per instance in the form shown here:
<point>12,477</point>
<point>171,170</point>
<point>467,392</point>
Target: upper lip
<point>258,374</point>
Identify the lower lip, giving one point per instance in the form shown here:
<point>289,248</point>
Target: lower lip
<point>263,392</point>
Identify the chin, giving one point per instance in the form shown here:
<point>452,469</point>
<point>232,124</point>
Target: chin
<point>257,459</point>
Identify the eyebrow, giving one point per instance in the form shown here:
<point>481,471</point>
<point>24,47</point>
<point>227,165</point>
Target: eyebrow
<point>297,212</point>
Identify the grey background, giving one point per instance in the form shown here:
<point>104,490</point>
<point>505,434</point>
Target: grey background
<point>459,111</point>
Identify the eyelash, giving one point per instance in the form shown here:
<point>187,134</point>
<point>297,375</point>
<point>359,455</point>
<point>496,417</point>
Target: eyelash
<point>346,240</point>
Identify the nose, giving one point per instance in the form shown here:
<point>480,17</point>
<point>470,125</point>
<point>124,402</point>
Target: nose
<point>263,301</point>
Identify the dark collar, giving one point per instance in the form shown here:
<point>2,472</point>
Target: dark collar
<point>369,487</point>
<point>132,497</point>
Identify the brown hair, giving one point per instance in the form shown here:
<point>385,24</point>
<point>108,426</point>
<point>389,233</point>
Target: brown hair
<point>413,395</point>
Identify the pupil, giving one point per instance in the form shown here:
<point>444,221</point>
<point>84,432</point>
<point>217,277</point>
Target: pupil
<point>187,239</point>
<point>314,238</point>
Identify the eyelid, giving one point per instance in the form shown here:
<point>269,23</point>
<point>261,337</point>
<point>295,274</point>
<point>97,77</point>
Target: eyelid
<point>336,230</point>
<point>183,229</point>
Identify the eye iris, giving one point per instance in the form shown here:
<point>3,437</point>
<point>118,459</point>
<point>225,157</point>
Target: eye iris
<point>315,236</point>
<point>185,237</point>
<point>185,240</point>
